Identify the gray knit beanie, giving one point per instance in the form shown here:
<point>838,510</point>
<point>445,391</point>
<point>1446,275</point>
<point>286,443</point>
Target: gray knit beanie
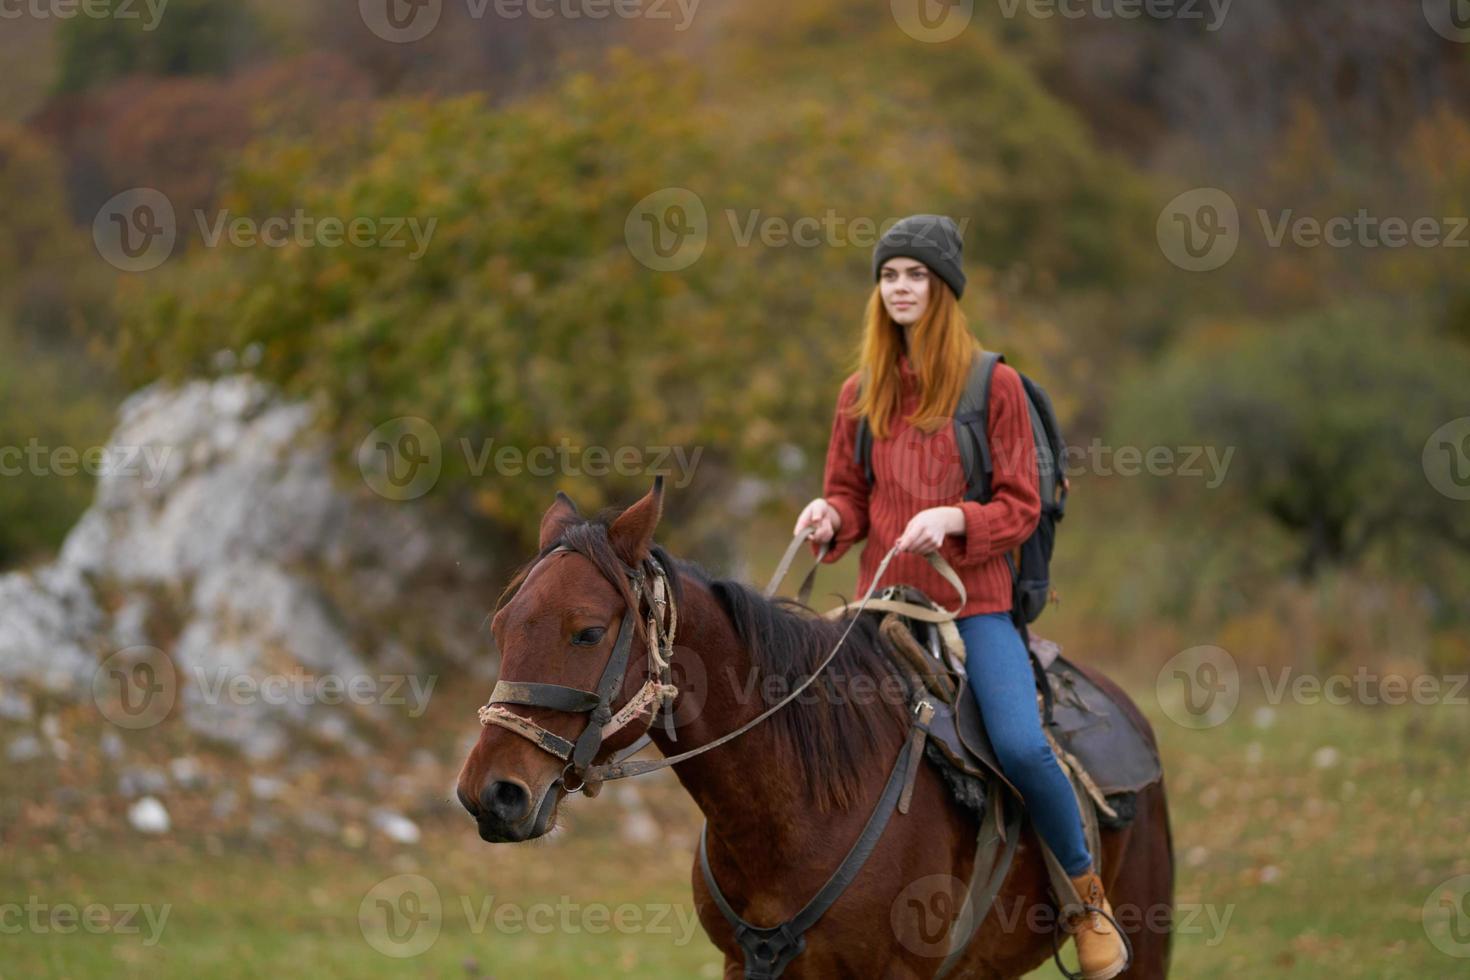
<point>933,239</point>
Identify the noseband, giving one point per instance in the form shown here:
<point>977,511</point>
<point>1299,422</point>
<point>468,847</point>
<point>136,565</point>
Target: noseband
<point>658,690</point>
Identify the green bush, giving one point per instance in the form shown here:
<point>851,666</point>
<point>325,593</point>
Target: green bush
<point>528,319</point>
<point>1328,417</point>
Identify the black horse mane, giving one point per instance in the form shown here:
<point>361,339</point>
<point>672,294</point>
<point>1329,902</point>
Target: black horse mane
<point>829,730</point>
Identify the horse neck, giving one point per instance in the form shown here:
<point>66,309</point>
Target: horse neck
<point>753,794</point>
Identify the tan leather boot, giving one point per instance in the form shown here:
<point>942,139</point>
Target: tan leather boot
<point>1100,950</point>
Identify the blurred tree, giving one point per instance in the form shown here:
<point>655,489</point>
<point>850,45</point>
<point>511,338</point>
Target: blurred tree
<point>1328,417</point>
<point>529,320</point>
<point>187,37</point>
<point>51,395</point>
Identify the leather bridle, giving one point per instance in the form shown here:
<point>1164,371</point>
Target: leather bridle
<point>603,723</point>
<point>658,690</point>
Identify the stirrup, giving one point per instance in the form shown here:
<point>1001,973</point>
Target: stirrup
<point>1056,948</point>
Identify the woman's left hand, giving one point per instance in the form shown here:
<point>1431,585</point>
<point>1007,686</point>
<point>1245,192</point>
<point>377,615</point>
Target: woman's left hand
<point>928,529</point>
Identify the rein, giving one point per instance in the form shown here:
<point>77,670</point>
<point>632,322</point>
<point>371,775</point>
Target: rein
<point>658,689</point>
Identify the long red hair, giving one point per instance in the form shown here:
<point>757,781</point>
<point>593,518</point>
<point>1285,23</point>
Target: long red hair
<point>941,353</point>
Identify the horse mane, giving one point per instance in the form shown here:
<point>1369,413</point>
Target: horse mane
<point>826,732</point>
<point>830,733</point>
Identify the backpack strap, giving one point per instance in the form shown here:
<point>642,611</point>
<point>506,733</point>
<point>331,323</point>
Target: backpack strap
<point>971,422</point>
<point>863,445</point>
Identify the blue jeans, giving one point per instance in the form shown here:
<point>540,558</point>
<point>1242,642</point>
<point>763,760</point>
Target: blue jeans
<point>1000,674</point>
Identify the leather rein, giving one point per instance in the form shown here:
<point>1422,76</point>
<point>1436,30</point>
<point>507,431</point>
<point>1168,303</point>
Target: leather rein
<point>659,691</point>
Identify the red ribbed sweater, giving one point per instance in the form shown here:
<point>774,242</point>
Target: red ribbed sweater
<point>914,471</point>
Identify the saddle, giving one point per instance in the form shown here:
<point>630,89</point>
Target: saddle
<point>1107,756</point>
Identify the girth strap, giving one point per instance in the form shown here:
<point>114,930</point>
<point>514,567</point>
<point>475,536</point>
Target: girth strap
<point>769,949</point>
<point>992,864</point>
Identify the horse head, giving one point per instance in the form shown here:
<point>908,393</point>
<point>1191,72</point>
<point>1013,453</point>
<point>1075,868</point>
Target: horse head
<point>573,686</point>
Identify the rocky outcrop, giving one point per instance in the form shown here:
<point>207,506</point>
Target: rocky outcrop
<point>224,539</point>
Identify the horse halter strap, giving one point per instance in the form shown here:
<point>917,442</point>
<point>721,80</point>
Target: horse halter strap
<point>657,690</point>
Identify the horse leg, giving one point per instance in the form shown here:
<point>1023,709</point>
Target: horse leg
<point>1142,887</point>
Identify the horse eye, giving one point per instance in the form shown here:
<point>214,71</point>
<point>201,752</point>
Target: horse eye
<point>589,637</point>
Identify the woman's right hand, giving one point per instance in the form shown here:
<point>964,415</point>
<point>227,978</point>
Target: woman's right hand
<point>824,516</point>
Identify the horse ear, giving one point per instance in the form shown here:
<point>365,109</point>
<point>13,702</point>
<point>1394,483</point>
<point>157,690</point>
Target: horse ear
<point>561,512</point>
<point>631,533</point>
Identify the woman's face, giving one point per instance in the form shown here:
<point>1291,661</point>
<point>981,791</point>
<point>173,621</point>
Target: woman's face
<point>904,286</point>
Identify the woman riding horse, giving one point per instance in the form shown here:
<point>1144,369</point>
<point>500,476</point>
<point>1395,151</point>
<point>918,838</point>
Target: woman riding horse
<point>916,351</point>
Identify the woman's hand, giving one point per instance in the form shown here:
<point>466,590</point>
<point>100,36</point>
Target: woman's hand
<point>822,514</point>
<point>928,529</point>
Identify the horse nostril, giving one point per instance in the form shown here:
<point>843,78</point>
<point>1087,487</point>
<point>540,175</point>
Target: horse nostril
<point>507,799</point>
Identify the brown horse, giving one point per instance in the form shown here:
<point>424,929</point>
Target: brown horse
<point>786,800</point>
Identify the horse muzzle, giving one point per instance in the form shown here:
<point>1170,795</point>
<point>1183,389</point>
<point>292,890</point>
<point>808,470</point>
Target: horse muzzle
<point>507,812</point>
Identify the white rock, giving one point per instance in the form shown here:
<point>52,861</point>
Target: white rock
<point>396,827</point>
<point>148,816</point>
<point>186,771</point>
<point>639,827</point>
<point>111,745</point>
<point>266,787</point>
<point>1325,758</point>
<point>24,748</point>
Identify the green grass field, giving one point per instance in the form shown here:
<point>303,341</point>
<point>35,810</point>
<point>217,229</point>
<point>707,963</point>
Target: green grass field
<point>1308,844</point>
